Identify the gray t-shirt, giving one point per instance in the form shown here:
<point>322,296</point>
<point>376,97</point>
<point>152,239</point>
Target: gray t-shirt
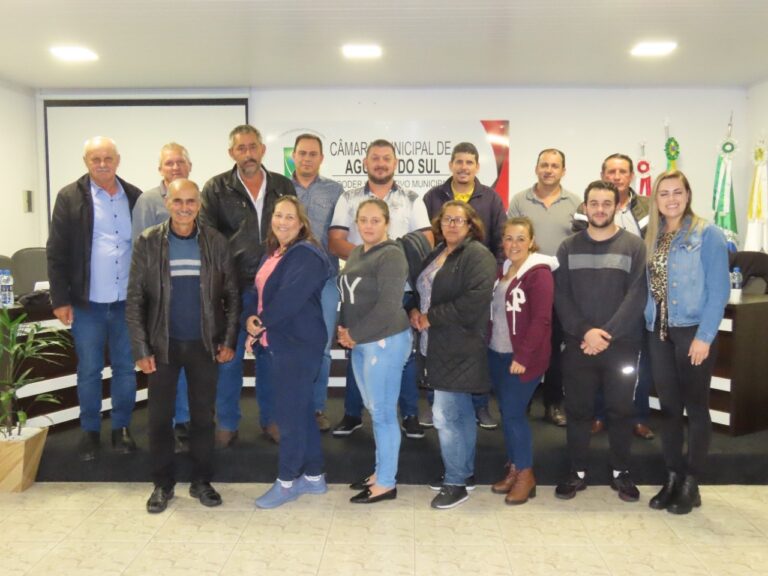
<point>552,225</point>
<point>371,287</point>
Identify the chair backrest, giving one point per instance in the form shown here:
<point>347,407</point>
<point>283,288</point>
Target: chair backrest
<point>29,266</point>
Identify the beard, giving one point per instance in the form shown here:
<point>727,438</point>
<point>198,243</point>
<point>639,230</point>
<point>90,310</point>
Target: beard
<point>381,180</point>
<point>608,221</point>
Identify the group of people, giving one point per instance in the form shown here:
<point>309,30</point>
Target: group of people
<point>448,291</point>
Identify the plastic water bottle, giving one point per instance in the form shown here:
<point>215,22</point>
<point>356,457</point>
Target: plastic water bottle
<point>736,283</point>
<point>6,288</point>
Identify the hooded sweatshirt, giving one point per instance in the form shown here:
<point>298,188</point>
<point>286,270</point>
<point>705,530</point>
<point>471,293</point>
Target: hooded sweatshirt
<point>529,297</point>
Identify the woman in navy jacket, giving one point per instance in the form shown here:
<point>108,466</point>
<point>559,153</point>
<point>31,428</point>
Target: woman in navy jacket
<point>287,322</point>
<point>519,349</point>
<point>688,290</point>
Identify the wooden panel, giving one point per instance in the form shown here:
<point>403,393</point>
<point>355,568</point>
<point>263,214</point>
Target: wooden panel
<point>19,461</point>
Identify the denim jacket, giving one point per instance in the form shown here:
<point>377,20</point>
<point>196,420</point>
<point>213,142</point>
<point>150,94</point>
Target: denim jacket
<point>698,284</point>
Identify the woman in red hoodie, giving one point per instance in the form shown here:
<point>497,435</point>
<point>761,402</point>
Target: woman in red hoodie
<point>519,349</point>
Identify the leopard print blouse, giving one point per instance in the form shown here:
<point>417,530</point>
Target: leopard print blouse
<point>659,279</point>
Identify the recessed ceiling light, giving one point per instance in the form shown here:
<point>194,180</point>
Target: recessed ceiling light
<point>361,51</point>
<point>74,54</point>
<point>643,49</point>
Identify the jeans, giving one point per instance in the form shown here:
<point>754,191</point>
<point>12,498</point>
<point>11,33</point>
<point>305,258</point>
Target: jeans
<point>378,367</point>
<point>682,386</point>
<point>615,372</point>
<point>329,299</point>
<point>203,373</point>
<point>94,327</point>
<point>231,379</point>
<point>453,415</point>
<point>299,451</point>
<point>181,413</point>
<point>408,392</point>
<point>265,396</point>
<point>513,396</point>
<point>478,400</point>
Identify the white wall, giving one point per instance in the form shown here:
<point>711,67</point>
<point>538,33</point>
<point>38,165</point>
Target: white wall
<point>18,169</point>
<point>587,124</point>
<point>757,112</point>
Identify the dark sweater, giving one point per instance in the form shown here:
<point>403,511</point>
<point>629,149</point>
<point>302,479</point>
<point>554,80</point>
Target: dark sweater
<point>601,284</point>
<point>371,285</point>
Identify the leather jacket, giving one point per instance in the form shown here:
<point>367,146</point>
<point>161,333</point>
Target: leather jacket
<point>149,293</point>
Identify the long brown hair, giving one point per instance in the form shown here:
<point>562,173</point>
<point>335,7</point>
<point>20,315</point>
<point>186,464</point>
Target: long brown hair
<point>476,228</point>
<point>305,232</point>
<point>655,217</point>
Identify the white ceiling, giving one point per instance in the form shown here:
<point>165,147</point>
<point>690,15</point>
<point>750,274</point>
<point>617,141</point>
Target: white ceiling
<point>296,43</point>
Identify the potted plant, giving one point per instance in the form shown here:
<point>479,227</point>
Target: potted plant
<point>21,345</point>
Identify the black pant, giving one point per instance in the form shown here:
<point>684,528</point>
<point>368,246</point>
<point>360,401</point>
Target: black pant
<point>682,386</point>
<point>552,387</point>
<point>202,373</point>
<point>615,372</point>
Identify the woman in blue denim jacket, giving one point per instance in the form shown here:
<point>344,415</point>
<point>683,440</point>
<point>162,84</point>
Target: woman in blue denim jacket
<point>688,289</point>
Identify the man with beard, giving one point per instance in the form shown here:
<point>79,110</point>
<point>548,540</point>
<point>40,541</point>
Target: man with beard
<point>407,214</point>
<point>238,203</point>
<point>600,294</point>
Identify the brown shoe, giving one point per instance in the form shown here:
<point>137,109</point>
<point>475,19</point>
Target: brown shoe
<point>323,424</point>
<point>271,431</point>
<point>597,426</point>
<point>524,488</point>
<point>505,484</point>
<point>642,431</point>
<point>225,438</point>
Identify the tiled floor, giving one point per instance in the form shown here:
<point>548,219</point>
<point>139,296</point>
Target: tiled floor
<point>102,529</point>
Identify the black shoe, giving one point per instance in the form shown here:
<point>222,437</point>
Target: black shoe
<point>158,502</point>
<point>626,488</point>
<point>204,492</point>
<point>89,446</point>
<point>484,419</point>
<point>687,498</point>
<point>450,497</point>
<point>365,497</point>
<point>555,415</point>
<point>667,492</point>
<point>347,425</point>
<point>412,428</point>
<point>567,490</point>
<point>122,441</point>
<point>437,484</point>
<point>361,484</point>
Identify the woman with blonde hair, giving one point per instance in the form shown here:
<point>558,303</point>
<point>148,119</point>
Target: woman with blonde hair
<point>688,290</point>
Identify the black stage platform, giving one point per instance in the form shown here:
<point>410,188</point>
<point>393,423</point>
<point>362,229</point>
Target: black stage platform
<point>733,460</point>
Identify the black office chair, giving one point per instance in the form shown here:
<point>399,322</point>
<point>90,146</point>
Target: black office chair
<point>754,270</point>
<point>29,266</point>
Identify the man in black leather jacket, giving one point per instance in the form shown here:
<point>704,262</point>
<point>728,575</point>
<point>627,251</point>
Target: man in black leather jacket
<point>182,312</point>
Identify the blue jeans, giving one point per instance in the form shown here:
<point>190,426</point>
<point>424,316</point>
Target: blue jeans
<point>265,396</point>
<point>454,417</point>
<point>378,367</point>
<point>408,393</point>
<point>513,396</point>
<point>231,379</point>
<point>181,412</point>
<point>94,327</point>
<point>329,299</point>
<point>478,400</point>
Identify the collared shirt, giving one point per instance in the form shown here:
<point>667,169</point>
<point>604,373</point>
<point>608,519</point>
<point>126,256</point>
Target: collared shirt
<point>551,224</point>
<point>320,198</point>
<point>258,203</point>
<point>111,248</point>
<point>407,212</point>
<point>149,210</point>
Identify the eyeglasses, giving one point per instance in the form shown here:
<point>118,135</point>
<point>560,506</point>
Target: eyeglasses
<point>453,221</point>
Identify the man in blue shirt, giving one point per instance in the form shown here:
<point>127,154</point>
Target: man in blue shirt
<point>319,196</point>
<point>89,256</point>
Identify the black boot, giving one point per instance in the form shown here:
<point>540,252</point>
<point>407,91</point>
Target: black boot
<point>687,498</point>
<point>667,492</point>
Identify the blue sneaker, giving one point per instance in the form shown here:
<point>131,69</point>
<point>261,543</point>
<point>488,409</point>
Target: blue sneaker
<point>277,496</point>
<point>303,485</point>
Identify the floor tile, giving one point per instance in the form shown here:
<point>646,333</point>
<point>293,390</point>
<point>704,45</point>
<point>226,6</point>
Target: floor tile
<point>642,560</point>
<point>462,560</point>
<point>372,524</point>
<point>733,561</point>
<point>273,559</point>
<point>180,559</point>
<point>106,525</point>
<point>73,557</point>
<point>285,525</point>
<point>43,525</point>
<point>554,529</point>
<point>556,561</point>
<point>18,557</point>
<point>370,559</point>
<point>626,528</point>
<point>701,527</point>
<point>204,526</point>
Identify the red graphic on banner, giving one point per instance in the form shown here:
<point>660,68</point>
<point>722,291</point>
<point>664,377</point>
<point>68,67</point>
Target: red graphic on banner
<point>497,134</point>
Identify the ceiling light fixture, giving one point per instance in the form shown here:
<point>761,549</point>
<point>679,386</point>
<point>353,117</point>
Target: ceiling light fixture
<point>653,49</point>
<point>361,51</point>
<point>74,54</point>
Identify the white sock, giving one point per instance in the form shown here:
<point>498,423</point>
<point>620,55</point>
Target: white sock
<point>617,473</point>
<point>313,478</point>
<point>581,474</point>
<point>286,483</point>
